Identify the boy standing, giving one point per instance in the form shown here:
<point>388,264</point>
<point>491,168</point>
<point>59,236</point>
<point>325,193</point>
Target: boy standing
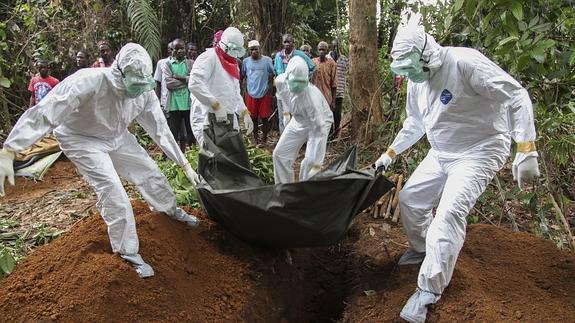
<point>41,83</point>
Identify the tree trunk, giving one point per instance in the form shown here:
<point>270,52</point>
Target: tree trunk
<point>365,97</point>
<point>270,18</point>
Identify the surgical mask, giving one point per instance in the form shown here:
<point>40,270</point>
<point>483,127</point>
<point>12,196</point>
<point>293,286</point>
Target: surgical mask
<point>411,67</point>
<point>137,85</point>
<point>297,84</point>
<point>234,50</point>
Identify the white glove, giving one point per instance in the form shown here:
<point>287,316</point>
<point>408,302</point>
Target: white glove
<point>221,114</point>
<point>525,168</point>
<point>383,161</point>
<point>248,123</point>
<point>287,118</point>
<point>6,168</point>
<point>191,175</point>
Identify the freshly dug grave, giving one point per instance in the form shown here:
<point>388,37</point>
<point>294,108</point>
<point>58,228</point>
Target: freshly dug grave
<point>500,276</point>
<point>201,275</point>
<point>206,274</point>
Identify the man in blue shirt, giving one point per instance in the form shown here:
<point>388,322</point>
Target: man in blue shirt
<point>281,60</point>
<point>258,71</point>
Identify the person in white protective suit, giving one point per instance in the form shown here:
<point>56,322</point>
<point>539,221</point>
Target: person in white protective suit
<point>214,84</point>
<point>310,121</point>
<point>469,109</point>
<point>89,113</point>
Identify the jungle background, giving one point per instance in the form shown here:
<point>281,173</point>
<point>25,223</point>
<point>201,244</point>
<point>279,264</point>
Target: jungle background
<point>533,40</point>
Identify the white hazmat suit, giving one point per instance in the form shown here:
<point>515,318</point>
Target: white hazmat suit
<point>89,113</point>
<point>469,109</point>
<point>213,89</point>
<point>310,122</point>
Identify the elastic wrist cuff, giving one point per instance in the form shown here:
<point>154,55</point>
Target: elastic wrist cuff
<point>391,153</point>
<point>526,147</point>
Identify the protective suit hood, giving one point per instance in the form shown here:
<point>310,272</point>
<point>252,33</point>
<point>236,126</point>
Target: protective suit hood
<point>132,59</point>
<point>297,67</point>
<point>410,38</point>
<point>232,42</point>
<point>297,74</point>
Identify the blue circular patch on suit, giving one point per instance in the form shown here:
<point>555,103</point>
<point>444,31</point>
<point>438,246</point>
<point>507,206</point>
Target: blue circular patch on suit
<point>446,96</point>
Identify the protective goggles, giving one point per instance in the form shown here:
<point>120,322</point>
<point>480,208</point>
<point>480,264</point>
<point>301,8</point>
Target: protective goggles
<point>412,66</point>
<point>234,50</point>
<point>297,84</point>
<point>136,85</point>
<point>409,65</point>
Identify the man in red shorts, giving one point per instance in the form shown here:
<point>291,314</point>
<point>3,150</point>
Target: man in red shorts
<point>258,71</point>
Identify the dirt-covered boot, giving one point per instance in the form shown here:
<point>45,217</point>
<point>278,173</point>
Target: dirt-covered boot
<point>143,269</point>
<point>415,310</point>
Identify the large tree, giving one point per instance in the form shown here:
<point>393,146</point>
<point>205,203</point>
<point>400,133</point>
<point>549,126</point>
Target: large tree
<point>363,54</point>
<point>270,18</point>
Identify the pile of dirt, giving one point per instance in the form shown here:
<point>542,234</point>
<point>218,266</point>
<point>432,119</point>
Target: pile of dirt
<point>201,275</point>
<point>500,276</point>
<point>206,274</point>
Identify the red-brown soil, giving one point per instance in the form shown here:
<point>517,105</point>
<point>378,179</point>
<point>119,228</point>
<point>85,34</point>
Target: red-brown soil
<point>207,275</point>
<point>500,276</point>
<point>201,275</point>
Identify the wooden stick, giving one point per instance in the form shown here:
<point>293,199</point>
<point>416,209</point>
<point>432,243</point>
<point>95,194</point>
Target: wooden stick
<point>388,210</point>
<point>563,219</point>
<point>397,189</point>
<point>396,200</point>
<point>395,214</point>
<point>375,210</point>
<point>390,194</point>
<point>384,201</point>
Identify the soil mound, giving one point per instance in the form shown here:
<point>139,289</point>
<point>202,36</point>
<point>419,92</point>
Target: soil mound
<point>500,276</point>
<point>207,275</point>
<point>201,275</point>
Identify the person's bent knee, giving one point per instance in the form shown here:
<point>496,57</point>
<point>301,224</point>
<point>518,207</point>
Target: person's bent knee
<point>405,196</point>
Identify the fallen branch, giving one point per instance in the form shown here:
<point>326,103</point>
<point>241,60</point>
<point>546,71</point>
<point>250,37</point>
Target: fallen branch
<point>396,199</point>
<point>564,220</point>
<point>384,202</point>
<point>514,226</point>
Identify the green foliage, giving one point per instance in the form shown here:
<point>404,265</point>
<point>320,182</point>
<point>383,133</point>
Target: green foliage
<point>36,29</point>
<point>145,25</point>
<point>260,159</point>
<point>7,262</point>
<point>262,164</point>
<point>185,192</point>
<point>43,235</point>
<point>16,242</point>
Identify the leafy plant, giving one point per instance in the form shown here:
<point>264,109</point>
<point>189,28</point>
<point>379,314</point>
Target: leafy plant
<point>260,159</point>
<point>145,25</point>
<point>7,262</point>
<point>262,164</point>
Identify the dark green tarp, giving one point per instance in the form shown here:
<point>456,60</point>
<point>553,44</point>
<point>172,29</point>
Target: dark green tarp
<point>316,212</point>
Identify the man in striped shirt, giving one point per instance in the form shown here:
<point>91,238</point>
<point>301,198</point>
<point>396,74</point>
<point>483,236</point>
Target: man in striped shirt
<point>342,66</point>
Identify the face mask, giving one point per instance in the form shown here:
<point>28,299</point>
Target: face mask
<point>296,84</point>
<point>411,67</point>
<point>234,50</point>
<point>137,85</point>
